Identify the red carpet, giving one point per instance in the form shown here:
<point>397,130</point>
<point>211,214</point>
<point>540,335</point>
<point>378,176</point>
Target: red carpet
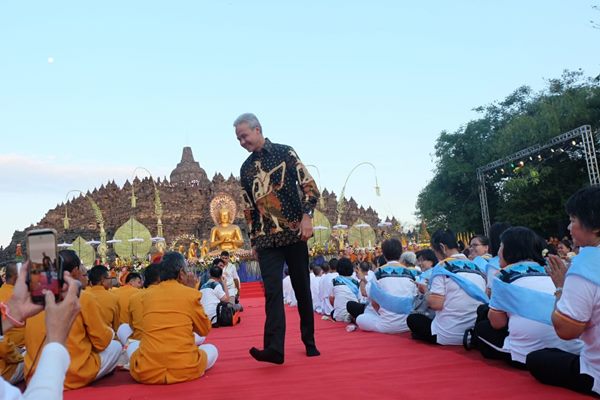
<point>355,365</point>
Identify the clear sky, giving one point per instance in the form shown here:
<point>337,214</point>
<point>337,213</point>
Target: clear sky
<point>88,91</point>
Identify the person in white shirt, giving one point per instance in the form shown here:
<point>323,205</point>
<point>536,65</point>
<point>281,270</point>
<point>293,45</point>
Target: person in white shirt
<point>344,289</point>
<point>577,309</point>
<point>289,297</point>
<point>48,379</point>
<point>507,335</point>
<point>315,280</point>
<point>455,307</point>
<point>213,292</point>
<point>232,281</point>
<point>326,287</point>
<point>395,279</point>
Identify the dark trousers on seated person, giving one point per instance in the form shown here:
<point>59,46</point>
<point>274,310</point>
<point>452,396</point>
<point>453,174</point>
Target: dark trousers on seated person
<point>271,262</point>
<point>420,328</point>
<point>355,308</point>
<point>559,368</point>
<point>490,341</point>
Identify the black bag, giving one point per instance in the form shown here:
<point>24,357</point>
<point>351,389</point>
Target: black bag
<point>224,317</point>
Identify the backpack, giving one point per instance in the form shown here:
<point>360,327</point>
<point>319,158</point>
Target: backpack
<point>226,315</point>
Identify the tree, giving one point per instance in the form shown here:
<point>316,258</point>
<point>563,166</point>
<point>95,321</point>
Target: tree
<point>532,195</point>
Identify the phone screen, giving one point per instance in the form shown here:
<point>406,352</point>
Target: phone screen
<point>43,269</point>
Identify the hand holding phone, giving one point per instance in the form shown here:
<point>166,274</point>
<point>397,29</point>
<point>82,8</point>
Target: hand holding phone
<point>45,272</point>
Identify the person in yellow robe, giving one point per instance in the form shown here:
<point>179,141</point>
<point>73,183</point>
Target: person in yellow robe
<point>136,309</point>
<point>16,335</point>
<point>100,283</point>
<point>12,347</point>
<point>133,283</point>
<point>133,330</point>
<point>167,352</point>
<point>93,352</point>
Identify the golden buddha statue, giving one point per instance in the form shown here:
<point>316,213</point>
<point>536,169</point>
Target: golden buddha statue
<point>192,251</point>
<point>225,235</point>
<point>204,249</point>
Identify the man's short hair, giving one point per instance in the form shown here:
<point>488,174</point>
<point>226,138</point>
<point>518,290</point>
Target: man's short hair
<point>224,253</point>
<point>345,267</point>
<point>445,237</point>
<point>97,274</point>
<point>217,261</point>
<point>11,271</point>
<point>171,265</point>
<point>249,119</point>
<point>131,276</point>
<point>333,264</point>
<point>427,255</point>
<point>392,249</point>
<point>70,260</point>
<point>151,274</point>
<point>215,272</point>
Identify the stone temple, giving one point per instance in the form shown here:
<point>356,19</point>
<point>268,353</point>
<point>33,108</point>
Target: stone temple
<point>185,199</point>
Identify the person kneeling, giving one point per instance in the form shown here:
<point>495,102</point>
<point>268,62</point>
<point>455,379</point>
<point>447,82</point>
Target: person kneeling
<point>345,289</point>
<point>167,352</point>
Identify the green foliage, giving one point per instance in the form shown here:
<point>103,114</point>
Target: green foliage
<point>534,195</point>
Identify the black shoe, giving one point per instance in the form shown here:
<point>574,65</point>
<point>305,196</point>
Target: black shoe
<point>311,351</point>
<point>469,339</point>
<point>266,355</point>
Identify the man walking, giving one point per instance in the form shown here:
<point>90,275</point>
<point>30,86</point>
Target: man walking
<point>279,198</point>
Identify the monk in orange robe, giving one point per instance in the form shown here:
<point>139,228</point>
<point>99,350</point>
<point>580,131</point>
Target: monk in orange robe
<point>132,285</point>
<point>15,335</point>
<point>109,303</point>
<point>167,352</point>
<point>93,352</point>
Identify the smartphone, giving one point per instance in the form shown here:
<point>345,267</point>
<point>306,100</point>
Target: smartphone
<point>45,269</point>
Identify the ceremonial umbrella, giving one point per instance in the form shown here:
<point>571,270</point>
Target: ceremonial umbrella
<point>320,228</point>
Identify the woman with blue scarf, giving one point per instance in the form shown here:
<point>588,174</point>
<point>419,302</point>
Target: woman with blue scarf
<point>456,289</point>
<point>522,292</point>
<point>576,313</point>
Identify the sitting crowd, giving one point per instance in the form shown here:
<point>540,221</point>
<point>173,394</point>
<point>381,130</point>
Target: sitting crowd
<point>514,296</point>
<point>111,326</point>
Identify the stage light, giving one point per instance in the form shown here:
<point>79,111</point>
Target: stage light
<point>521,164</point>
<point>574,142</point>
<point>540,157</point>
<point>502,170</point>
<point>530,158</point>
<point>512,165</point>
<point>552,150</point>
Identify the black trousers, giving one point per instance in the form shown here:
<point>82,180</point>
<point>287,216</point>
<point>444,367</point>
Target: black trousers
<point>487,334</point>
<point>420,328</point>
<point>271,268</point>
<point>355,308</point>
<point>559,368</point>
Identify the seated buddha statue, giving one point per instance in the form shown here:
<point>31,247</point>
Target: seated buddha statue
<point>192,251</point>
<point>226,236</point>
<point>204,249</point>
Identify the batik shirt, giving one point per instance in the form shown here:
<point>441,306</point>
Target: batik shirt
<point>277,191</point>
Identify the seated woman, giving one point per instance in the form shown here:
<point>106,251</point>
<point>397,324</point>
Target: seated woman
<point>456,289</point>
<point>577,310</point>
<point>510,333</point>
